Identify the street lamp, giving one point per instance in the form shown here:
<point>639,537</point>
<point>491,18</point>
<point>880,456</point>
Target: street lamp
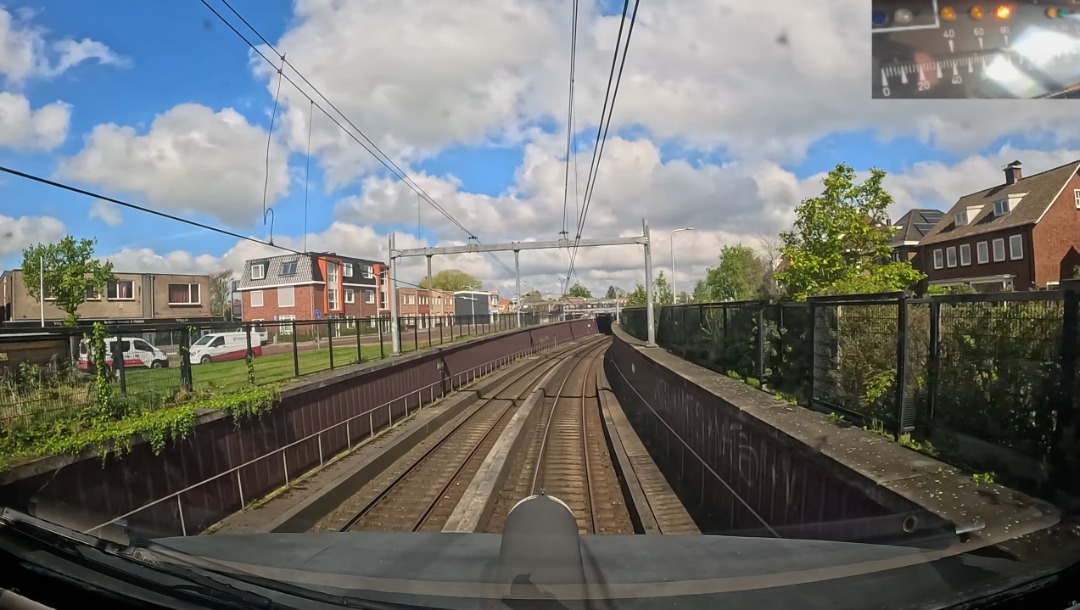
<point>675,295</point>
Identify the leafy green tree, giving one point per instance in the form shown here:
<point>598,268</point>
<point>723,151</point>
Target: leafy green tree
<point>533,296</point>
<point>685,297</point>
<point>577,290</point>
<point>738,276</point>
<point>701,292</point>
<point>452,280</point>
<point>840,241</point>
<point>637,297</point>
<point>221,294</point>
<point>612,293</point>
<point>70,272</point>
<point>662,290</point>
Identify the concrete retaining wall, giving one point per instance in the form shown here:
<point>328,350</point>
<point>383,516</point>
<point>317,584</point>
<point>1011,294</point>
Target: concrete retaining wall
<point>87,490</point>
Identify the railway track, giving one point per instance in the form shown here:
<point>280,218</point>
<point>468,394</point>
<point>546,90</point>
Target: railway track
<point>568,457</point>
<point>420,494</point>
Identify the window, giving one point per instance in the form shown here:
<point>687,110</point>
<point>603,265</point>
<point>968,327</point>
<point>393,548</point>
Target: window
<point>346,269</point>
<point>258,271</point>
<point>91,294</point>
<point>368,271</point>
<point>219,342</point>
<point>350,296</point>
<point>256,298</point>
<point>288,268</point>
<point>411,299</point>
<point>1076,195</point>
<point>333,297</point>
<point>285,329</point>
<point>369,296</point>
<point>982,252</point>
<point>286,296</point>
<point>184,294</point>
<point>142,346</point>
<point>121,290</point>
<point>999,250</point>
<point>939,259</point>
<point>1016,247</point>
<point>1001,207</point>
<point>960,218</point>
<point>965,255</point>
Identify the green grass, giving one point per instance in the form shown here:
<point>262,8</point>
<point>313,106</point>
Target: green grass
<point>30,402</point>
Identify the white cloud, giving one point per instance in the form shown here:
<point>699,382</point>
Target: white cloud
<point>106,212</point>
<point>18,233</point>
<point>24,128</point>
<point>191,160</point>
<point>706,74</point>
<point>26,53</point>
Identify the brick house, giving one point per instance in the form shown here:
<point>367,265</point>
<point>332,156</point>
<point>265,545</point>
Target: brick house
<point>310,286</point>
<point>132,297</point>
<point>911,228</point>
<point>1020,235</point>
<point>420,302</point>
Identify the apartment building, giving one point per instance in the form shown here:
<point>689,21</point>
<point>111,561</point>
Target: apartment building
<point>310,286</point>
<point>422,302</point>
<point>1023,234</point>
<point>132,297</point>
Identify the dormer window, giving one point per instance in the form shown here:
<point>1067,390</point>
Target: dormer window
<point>1001,207</point>
<point>288,268</point>
<point>960,218</point>
<point>258,271</point>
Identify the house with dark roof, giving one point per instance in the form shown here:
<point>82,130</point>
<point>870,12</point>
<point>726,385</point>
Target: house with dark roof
<point>311,286</point>
<point>1023,234</point>
<point>910,230</point>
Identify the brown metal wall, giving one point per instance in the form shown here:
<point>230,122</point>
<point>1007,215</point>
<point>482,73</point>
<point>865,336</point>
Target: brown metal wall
<point>97,490</point>
<point>728,456</point>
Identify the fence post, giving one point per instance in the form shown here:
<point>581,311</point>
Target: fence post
<point>185,360</point>
<point>295,352</point>
<point>761,344</point>
<point>440,330</point>
<point>933,360</point>
<point>1063,475</point>
<point>813,353</point>
<point>903,423</point>
<point>118,363</point>
<point>249,354</point>
<point>359,350</point>
<point>382,349</point>
<point>415,335</point>
<point>330,340</point>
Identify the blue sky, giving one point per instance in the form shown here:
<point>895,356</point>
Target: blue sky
<point>483,132</point>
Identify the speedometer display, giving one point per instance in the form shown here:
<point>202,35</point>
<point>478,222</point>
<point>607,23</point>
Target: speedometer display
<point>975,49</point>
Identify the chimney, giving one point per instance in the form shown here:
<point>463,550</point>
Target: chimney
<point>1012,173</point>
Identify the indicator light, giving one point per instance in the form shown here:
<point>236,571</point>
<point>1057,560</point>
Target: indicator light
<point>948,13</point>
<point>976,12</point>
<point>1052,13</point>
<point>1003,12</point>
<point>903,16</point>
<point>879,17</point>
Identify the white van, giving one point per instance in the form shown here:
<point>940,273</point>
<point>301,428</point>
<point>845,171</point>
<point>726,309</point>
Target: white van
<point>137,353</point>
<point>259,335</point>
<point>219,347</point>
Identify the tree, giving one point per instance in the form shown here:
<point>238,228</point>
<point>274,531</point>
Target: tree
<point>577,290</point>
<point>701,292</point>
<point>452,280</point>
<point>613,293</point>
<point>70,273</point>
<point>685,297</point>
<point>738,276</point>
<point>771,254</point>
<point>840,241</point>
<point>662,290</point>
<point>637,296</point>
<point>221,294</point>
<point>533,296</point>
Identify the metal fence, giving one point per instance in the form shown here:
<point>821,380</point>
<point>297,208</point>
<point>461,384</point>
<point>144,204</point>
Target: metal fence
<point>49,374</point>
<point>997,367</point>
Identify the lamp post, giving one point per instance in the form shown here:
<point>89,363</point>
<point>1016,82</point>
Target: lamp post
<point>674,294</point>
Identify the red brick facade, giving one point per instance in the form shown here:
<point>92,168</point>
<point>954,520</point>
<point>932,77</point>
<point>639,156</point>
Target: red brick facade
<point>1057,238</point>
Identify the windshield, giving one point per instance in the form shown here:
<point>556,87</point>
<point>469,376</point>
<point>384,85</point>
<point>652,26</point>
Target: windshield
<point>712,292</point>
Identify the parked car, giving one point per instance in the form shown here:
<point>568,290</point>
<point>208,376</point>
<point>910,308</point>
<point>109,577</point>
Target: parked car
<point>219,347</point>
<point>257,331</point>
<point>137,353</point>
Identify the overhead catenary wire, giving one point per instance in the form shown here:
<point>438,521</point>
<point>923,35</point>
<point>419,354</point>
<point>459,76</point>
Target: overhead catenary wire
<point>603,126</point>
<point>166,215</point>
<point>367,144</point>
<point>570,116</point>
